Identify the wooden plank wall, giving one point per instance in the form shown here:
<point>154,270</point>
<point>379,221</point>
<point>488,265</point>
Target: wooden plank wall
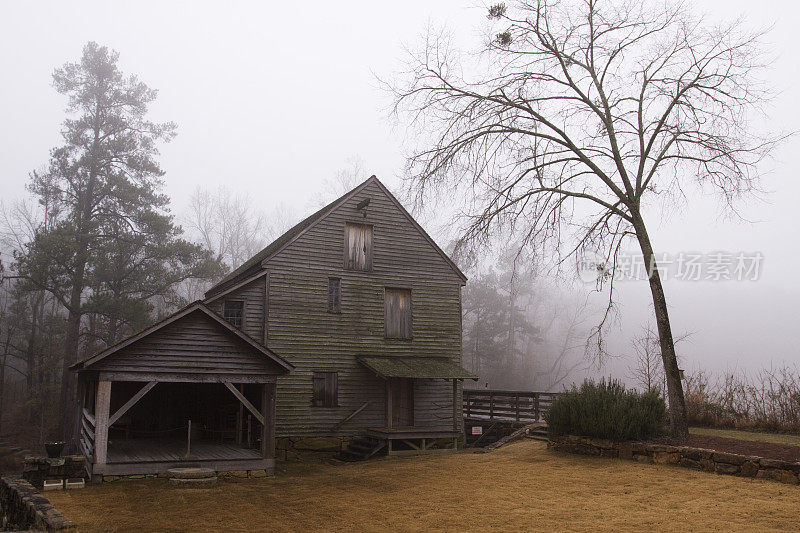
<point>302,331</point>
<point>193,344</point>
<point>252,295</point>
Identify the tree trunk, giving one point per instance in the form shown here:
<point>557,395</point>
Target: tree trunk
<point>677,404</point>
<point>3,384</point>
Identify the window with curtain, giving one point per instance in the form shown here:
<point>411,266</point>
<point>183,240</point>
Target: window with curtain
<point>358,247</point>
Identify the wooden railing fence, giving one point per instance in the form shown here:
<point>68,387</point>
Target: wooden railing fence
<point>87,435</point>
<point>517,406</point>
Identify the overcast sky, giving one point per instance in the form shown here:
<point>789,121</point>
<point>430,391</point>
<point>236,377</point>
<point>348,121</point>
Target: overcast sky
<point>271,99</point>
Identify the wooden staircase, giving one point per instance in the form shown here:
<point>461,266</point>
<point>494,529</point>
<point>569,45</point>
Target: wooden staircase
<point>362,448</point>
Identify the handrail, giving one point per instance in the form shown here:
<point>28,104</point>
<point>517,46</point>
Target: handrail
<point>349,417</point>
<point>519,406</point>
<point>88,417</point>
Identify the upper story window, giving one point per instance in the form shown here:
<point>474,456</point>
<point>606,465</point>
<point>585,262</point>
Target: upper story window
<point>233,312</point>
<point>397,303</point>
<point>358,246</point>
<point>334,295</point>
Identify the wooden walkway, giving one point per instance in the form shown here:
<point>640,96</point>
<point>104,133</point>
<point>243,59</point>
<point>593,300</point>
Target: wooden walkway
<point>174,450</point>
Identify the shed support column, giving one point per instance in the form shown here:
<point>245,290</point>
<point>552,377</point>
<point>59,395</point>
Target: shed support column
<point>455,412</point>
<point>389,407</point>
<point>268,428</point>
<point>101,412</point>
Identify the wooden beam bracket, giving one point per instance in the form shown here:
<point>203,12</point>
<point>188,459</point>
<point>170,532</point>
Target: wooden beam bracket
<point>130,403</point>
<point>245,401</point>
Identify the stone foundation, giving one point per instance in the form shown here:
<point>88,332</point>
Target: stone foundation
<point>36,469</point>
<point>23,508</point>
<point>694,458</point>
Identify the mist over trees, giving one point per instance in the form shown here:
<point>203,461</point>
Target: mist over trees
<point>575,119</point>
<point>96,253</point>
<point>521,330</point>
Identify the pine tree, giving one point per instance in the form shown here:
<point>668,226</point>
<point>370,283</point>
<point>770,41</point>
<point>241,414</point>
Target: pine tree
<point>111,235</point>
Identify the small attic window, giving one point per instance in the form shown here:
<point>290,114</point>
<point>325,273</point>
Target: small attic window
<point>233,312</point>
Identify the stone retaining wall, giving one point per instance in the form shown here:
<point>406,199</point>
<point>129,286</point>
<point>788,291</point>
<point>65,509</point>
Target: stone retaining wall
<point>36,469</point>
<point>22,508</point>
<point>694,458</point>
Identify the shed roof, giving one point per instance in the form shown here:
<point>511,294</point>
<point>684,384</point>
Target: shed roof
<point>416,367</point>
<point>196,307</point>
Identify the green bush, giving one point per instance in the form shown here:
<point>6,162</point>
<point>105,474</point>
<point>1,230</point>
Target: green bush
<point>608,411</point>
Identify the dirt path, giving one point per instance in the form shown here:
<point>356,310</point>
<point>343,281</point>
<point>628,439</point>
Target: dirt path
<point>522,486</point>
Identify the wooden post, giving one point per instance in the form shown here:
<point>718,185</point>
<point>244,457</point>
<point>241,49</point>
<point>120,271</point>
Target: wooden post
<point>491,406</point>
<point>102,407</point>
<point>268,428</point>
<point>388,407</point>
<point>189,440</point>
<point>240,414</point>
<point>536,405</point>
<point>455,405</point>
<point>455,413</point>
<point>516,404</point>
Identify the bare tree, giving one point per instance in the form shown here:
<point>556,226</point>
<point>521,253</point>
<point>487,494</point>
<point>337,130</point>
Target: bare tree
<point>648,370</point>
<point>231,226</point>
<point>580,115</point>
<point>345,179</point>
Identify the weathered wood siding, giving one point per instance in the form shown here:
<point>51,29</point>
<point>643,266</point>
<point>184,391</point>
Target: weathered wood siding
<point>193,346</point>
<point>302,331</point>
<point>252,295</point>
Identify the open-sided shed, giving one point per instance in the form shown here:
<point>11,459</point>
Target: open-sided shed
<point>190,389</point>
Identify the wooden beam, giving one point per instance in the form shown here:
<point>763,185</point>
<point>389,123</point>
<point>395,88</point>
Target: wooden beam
<point>130,403</point>
<point>268,428</point>
<point>388,406</point>
<point>245,401</point>
<point>101,409</point>
<point>455,405</point>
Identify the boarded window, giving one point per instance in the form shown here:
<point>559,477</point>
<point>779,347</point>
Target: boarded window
<point>334,295</point>
<point>358,247</point>
<point>233,312</point>
<point>398,313</point>
<point>326,389</point>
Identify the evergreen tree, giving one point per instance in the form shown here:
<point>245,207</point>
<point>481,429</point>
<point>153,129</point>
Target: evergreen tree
<point>112,245</point>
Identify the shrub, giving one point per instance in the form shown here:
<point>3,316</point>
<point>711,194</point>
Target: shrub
<point>607,410</point>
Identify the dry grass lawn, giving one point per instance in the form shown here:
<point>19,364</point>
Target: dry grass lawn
<point>774,438</point>
<point>522,486</point>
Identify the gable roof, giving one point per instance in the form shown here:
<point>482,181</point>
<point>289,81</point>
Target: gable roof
<point>191,308</point>
<point>249,267</point>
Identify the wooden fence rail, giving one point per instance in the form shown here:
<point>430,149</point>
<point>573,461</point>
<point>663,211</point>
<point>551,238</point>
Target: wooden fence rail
<point>519,406</point>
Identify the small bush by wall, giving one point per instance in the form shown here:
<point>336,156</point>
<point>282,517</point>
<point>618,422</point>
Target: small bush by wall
<point>607,410</point>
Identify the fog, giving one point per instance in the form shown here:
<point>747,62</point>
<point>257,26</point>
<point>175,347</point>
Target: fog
<point>272,99</point>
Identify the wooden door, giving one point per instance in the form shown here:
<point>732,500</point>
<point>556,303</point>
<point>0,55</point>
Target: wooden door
<point>402,391</point>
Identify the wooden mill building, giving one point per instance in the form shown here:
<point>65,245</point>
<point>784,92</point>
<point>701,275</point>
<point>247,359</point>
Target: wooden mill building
<point>346,326</point>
